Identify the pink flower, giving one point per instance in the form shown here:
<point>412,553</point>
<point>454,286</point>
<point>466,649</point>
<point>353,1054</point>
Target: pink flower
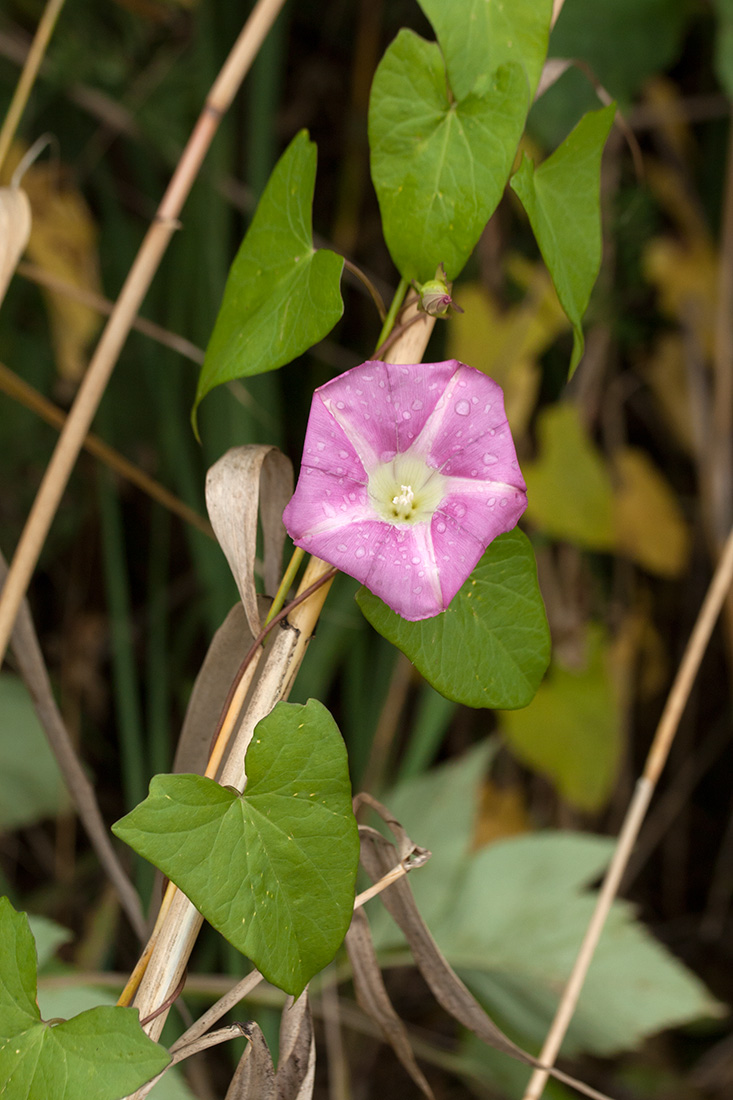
<point>408,474</point>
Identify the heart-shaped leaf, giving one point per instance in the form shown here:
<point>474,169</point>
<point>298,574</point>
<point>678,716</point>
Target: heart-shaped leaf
<point>492,646</point>
<point>562,200</point>
<point>282,295</point>
<point>477,36</point>
<point>439,164</point>
<point>272,869</point>
<point>101,1054</point>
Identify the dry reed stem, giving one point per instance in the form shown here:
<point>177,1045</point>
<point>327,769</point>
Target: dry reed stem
<point>115,333</point>
<point>655,761</point>
<point>178,932</point>
<point>27,77</point>
<point>15,387</point>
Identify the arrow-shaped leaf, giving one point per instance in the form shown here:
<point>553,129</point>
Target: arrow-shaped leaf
<point>492,646</point>
<point>272,869</point>
<point>562,200</point>
<point>101,1054</point>
<point>282,295</point>
<point>439,164</point>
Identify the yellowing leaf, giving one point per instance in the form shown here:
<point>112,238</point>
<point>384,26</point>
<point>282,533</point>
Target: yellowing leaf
<point>569,492</point>
<point>63,241</point>
<point>686,278</point>
<point>665,372</point>
<point>505,343</point>
<point>571,729</point>
<point>649,523</point>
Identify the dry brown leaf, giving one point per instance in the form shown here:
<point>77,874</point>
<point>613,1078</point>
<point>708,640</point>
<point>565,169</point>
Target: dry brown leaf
<point>254,1077</point>
<point>296,1066</point>
<point>374,999</point>
<point>244,482</point>
<point>63,241</point>
<point>216,675</point>
<point>15,228</point>
<point>650,527</point>
<point>378,857</point>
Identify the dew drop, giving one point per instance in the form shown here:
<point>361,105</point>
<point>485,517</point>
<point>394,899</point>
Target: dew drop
<point>503,502</point>
<point>417,589</point>
<point>416,405</point>
<point>489,459</point>
<point>340,405</point>
<point>406,415</point>
<point>343,454</point>
<point>321,445</point>
<point>342,547</point>
<point>459,511</point>
<point>491,502</point>
<point>440,527</point>
<point>416,561</point>
<point>474,400</point>
<point>473,473</point>
<point>462,407</point>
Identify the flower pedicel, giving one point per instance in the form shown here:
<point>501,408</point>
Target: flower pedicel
<point>408,473</point>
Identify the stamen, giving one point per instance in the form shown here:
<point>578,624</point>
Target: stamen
<point>406,497</point>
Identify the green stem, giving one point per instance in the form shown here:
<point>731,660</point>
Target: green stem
<point>285,583</point>
<point>392,312</point>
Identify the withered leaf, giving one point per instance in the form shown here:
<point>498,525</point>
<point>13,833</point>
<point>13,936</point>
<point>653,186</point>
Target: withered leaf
<point>296,1067</point>
<point>254,1077</point>
<point>373,998</point>
<point>247,481</point>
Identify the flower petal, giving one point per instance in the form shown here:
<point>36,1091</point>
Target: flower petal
<point>383,407</point>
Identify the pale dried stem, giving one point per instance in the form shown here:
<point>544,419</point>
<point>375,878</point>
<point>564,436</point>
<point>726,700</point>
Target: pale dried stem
<point>15,387</point>
<point>177,934</point>
<point>656,759</point>
<point>27,77</point>
<point>117,328</point>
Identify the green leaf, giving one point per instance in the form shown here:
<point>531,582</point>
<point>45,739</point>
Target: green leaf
<point>569,491</point>
<point>514,931</point>
<point>282,295</point>
<point>477,36</point>
<point>31,787</point>
<point>272,869</point>
<point>492,646</point>
<point>562,200</point>
<point>102,1054</point>
<point>439,164</point>
<point>571,729</point>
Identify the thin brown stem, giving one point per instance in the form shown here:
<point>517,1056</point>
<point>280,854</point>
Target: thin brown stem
<point>656,759</point>
<point>15,387</point>
<point>104,306</point>
<point>33,670</point>
<point>127,306</point>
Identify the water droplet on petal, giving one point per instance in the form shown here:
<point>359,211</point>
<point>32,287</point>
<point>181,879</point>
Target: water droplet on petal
<point>342,547</point>
<point>321,445</point>
<point>406,415</point>
<point>416,405</point>
<point>503,502</point>
<point>340,405</point>
<point>415,561</point>
<point>462,407</point>
<point>359,552</point>
<point>459,511</point>
<point>489,459</point>
<point>440,527</point>
<point>417,589</point>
